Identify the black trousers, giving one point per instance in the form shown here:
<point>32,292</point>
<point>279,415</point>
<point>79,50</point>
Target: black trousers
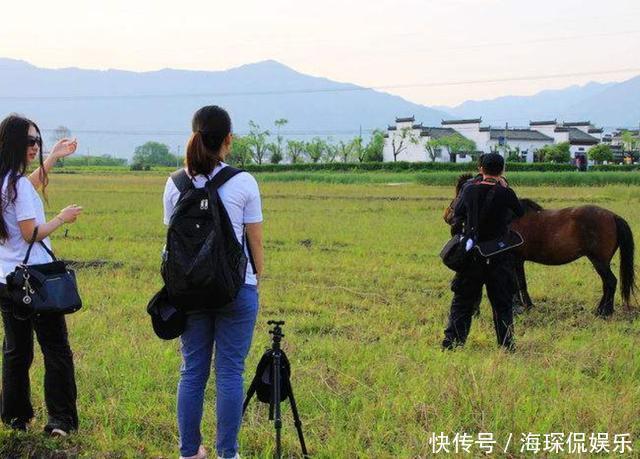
<point>60,391</point>
<point>498,276</point>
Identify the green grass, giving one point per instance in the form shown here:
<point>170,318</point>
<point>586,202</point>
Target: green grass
<point>353,269</point>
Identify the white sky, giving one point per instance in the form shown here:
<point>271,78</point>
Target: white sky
<point>370,43</point>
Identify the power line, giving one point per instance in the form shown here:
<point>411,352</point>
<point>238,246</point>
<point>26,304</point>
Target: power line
<point>350,88</point>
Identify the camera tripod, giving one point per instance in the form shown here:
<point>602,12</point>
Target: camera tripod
<point>273,385</point>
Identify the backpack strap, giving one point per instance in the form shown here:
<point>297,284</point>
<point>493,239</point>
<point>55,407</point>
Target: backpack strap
<point>222,177</point>
<point>181,180</point>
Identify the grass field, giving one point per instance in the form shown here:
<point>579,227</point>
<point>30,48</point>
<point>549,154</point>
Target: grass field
<point>353,269</point>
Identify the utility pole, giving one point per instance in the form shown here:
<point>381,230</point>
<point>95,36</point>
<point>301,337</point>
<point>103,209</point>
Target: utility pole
<point>506,131</point>
<point>360,143</point>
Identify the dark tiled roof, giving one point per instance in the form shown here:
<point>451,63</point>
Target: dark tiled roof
<point>520,134</point>
<point>469,121</point>
<point>386,136</point>
<point>596,131</point>
<point>437,132</point>
<point>417,126</point>
<point>561,129</point>
<point>392,128</point>
<point>578,137</point>
<point>577,123</point>
<point>543,123</point>
<point>485,128</point>
<point>409,119</point>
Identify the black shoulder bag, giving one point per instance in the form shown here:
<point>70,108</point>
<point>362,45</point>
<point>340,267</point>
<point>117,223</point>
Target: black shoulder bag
<point>454,254</point>
<point>44,288</point>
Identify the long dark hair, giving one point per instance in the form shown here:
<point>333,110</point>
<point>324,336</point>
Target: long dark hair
<point>14,138</point>
<point>210,126</point>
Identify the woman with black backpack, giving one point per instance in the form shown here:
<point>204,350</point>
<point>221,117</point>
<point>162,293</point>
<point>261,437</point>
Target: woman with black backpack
<point>22,220</point>
<point>227,331</point>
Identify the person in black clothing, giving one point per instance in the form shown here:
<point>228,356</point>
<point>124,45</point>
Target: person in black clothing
<point>497,271</point>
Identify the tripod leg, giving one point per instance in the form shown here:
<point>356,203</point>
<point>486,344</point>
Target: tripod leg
<point>276,401</point>
<point>296,418</point>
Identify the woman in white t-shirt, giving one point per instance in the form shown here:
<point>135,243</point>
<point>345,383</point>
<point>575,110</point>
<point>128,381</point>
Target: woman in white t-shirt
<point>21,212</point>
<point>231,331</point>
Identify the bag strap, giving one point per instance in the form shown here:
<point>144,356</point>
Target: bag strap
<point>222,177</point>
<point>479,215</point>
<point>245,237</point>
<point>181,180</point>
<point>33,241</point>
<point>488,201</point>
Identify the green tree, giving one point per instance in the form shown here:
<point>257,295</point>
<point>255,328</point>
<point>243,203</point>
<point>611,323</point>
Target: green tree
<point>276,157</point>
<point>330,152</point>
<point>358,149</point>
<point>315,149</point>
<point>629,141</point>
<point>240,154</point>
<point>103,160</point>
<point>258,141</point>
<point>279,123</point>
<point>345,150</point>
<point>153,154</point>
<point>295,151</point>
<point>512,154</point>
<point>559,153</point>
<point>601,153</point>
<point>400,141</point>
<point>373,150</point>
<point>433,147</point>
<point>457,143</point>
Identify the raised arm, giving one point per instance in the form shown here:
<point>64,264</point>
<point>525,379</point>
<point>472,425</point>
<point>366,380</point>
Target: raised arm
<point>62,148</point>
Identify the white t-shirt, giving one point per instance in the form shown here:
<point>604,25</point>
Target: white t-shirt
<point>27,206</point>
<point>240,197</point>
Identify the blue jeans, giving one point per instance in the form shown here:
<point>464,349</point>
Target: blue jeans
<point>231,332</point>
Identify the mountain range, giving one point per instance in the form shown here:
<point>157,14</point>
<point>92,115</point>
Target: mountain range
<point>608,105</point>
<point>113,111</point>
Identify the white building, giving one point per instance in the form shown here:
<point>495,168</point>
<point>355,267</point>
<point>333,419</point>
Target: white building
<point>408,140</point>
<point>581,135</point>
<point>501,140</point>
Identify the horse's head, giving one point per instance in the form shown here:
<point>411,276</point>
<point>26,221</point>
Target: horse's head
<point>448,212</point>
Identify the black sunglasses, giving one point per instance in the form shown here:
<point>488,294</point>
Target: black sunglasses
<point>33,141</point>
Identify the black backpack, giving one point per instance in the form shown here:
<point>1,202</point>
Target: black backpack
<point>204,265</point>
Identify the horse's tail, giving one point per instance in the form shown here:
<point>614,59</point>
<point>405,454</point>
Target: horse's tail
<point>627,267</point>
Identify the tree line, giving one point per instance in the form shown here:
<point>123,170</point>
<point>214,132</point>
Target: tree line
<point>267,146</point>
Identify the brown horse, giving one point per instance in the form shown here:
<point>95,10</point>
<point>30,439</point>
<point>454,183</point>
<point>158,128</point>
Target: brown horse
<point>558,237</point>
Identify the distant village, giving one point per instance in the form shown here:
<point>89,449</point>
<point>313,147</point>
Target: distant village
<point>410,141</point>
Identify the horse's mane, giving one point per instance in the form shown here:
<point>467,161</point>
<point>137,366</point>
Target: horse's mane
<point>529,205</point>
<point>464,178</point>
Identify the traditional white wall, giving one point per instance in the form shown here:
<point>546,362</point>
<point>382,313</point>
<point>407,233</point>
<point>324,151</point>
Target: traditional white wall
<point>472,132</point>
<point>530,146</point>
<point>546,129</point>
<point>412,152</point>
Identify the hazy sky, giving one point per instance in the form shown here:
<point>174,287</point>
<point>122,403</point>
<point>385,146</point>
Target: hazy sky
<point>371,43</point>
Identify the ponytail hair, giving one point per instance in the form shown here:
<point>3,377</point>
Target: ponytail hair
<point>210,125</point>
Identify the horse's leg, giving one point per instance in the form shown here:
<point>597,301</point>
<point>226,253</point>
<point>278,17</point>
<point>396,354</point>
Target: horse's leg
<point>609,284</point>
<point>523,294</point>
